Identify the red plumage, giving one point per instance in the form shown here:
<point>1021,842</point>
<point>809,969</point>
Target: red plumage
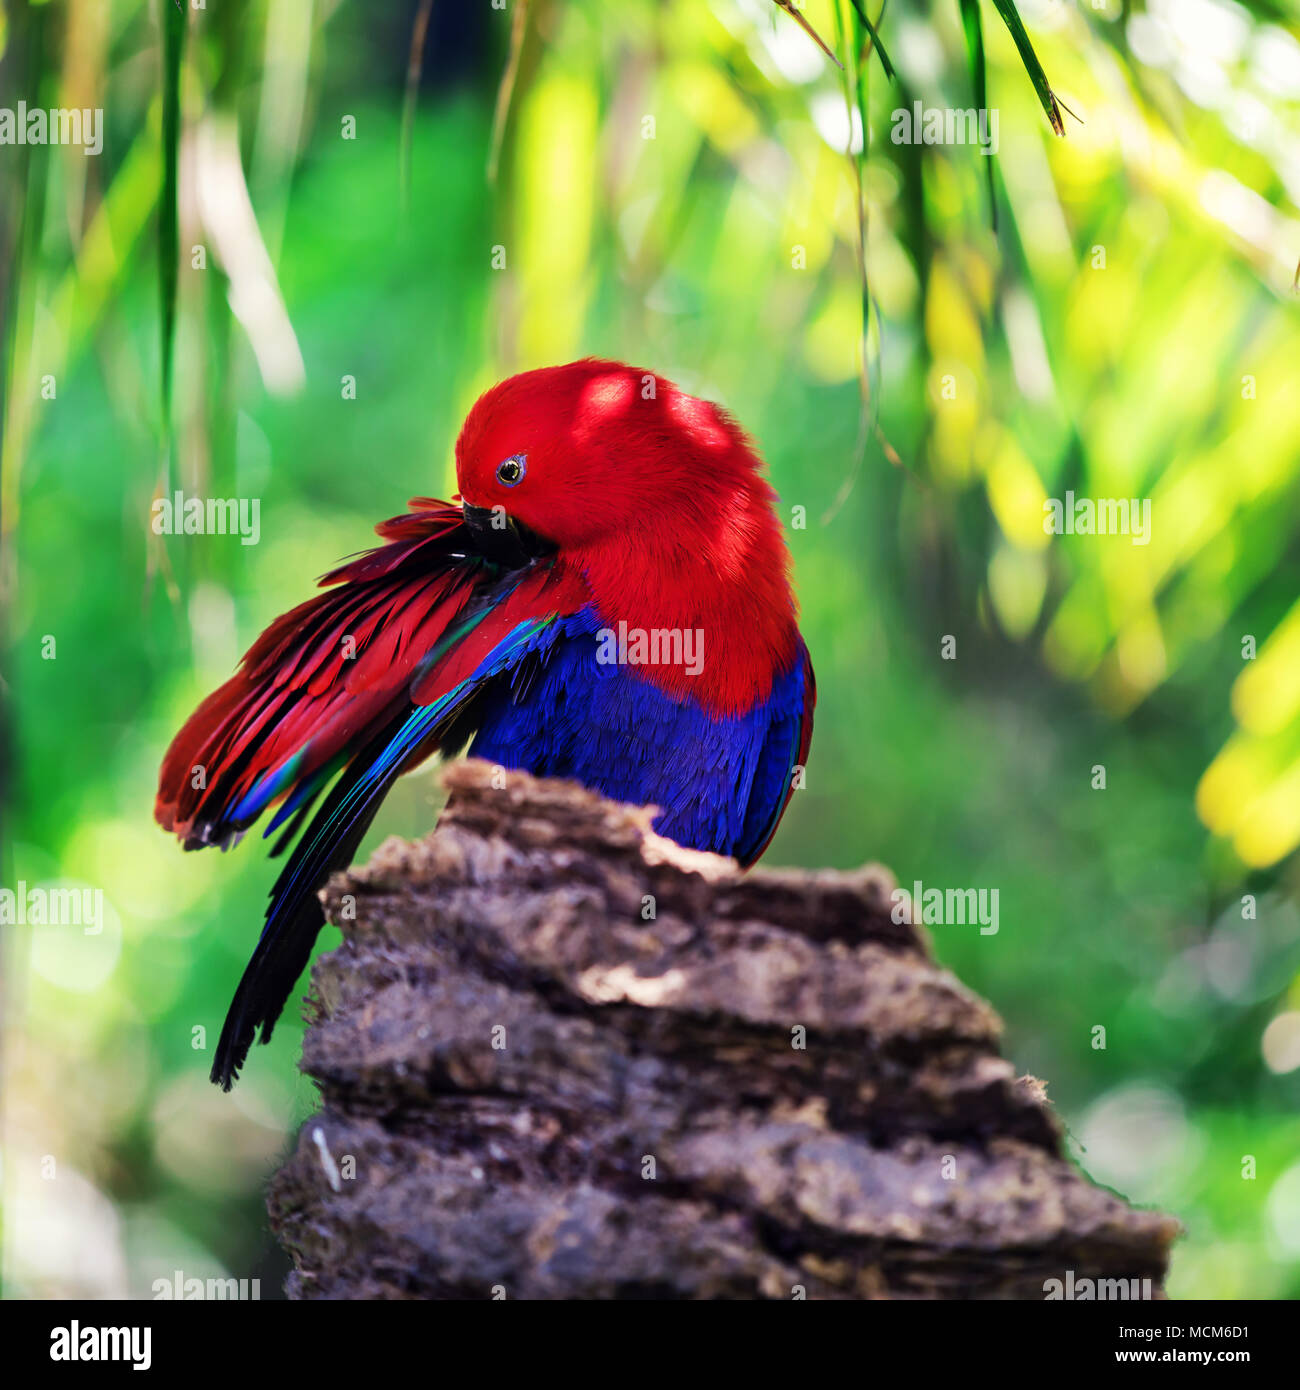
<point>626,503</point>
<point>297,684</point>
<point>655,499</point>
<point>608,446</point>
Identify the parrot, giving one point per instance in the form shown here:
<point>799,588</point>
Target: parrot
<point>607,599</point>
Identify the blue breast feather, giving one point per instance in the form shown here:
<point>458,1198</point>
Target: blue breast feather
<point>720,782</point>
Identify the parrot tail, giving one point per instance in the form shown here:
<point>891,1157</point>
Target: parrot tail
<point>295,917</point>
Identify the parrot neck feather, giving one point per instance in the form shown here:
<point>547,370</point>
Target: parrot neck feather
<point>718,575</point>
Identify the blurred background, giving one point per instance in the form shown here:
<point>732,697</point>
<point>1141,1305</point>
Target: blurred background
<point>422,198</point>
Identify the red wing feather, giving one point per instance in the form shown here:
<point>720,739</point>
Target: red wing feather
<point>300,684</point>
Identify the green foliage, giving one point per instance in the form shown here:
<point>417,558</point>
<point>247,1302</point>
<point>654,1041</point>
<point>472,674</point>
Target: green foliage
<point>1016,28</point>
<point>1097,341</point>
<point>173,21</point>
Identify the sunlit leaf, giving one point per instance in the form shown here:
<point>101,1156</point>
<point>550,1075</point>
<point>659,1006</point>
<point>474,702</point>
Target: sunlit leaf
<point>860,7</point>
<point>1011,17</point>
<point>812,33</point>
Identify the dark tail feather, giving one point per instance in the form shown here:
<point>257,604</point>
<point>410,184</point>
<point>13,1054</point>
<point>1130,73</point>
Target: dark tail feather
<point>266,984</point>
<point>295,918</point>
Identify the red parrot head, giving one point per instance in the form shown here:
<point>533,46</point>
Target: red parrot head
<point>653,497</point>
<point>597,450</point>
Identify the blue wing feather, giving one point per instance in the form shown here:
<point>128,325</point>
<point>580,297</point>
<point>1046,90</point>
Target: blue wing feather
<point>721,782</point>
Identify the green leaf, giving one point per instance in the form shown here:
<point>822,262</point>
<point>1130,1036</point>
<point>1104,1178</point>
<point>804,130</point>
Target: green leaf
<point>860,7</point>
<point>174,19</point>
<point>970,20</point>
<point>788,7</point>
<point>414,67</point>
<point>506,90</point>
<point>1011,18</point>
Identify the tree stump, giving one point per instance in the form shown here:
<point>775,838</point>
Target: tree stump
<point>561,1057</point>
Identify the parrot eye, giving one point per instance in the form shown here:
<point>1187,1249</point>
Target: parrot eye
<point>512,470</point>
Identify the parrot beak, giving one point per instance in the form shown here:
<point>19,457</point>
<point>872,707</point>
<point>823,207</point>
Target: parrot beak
<point>502,539</point>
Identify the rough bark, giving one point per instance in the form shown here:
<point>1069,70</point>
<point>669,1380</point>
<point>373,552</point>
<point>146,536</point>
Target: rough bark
<point>560,1057</point>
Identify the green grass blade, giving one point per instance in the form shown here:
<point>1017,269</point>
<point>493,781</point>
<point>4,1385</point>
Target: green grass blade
<point>1011,18</point>
<point>788,7</point>
<point>25,198</point>
<point>414,67</point>
<point>860,7</point>
<point>173,34</point>
<point>970,22</point>
<point>506,90</point>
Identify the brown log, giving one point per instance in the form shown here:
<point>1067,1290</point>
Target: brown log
<point>560,1057</point>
